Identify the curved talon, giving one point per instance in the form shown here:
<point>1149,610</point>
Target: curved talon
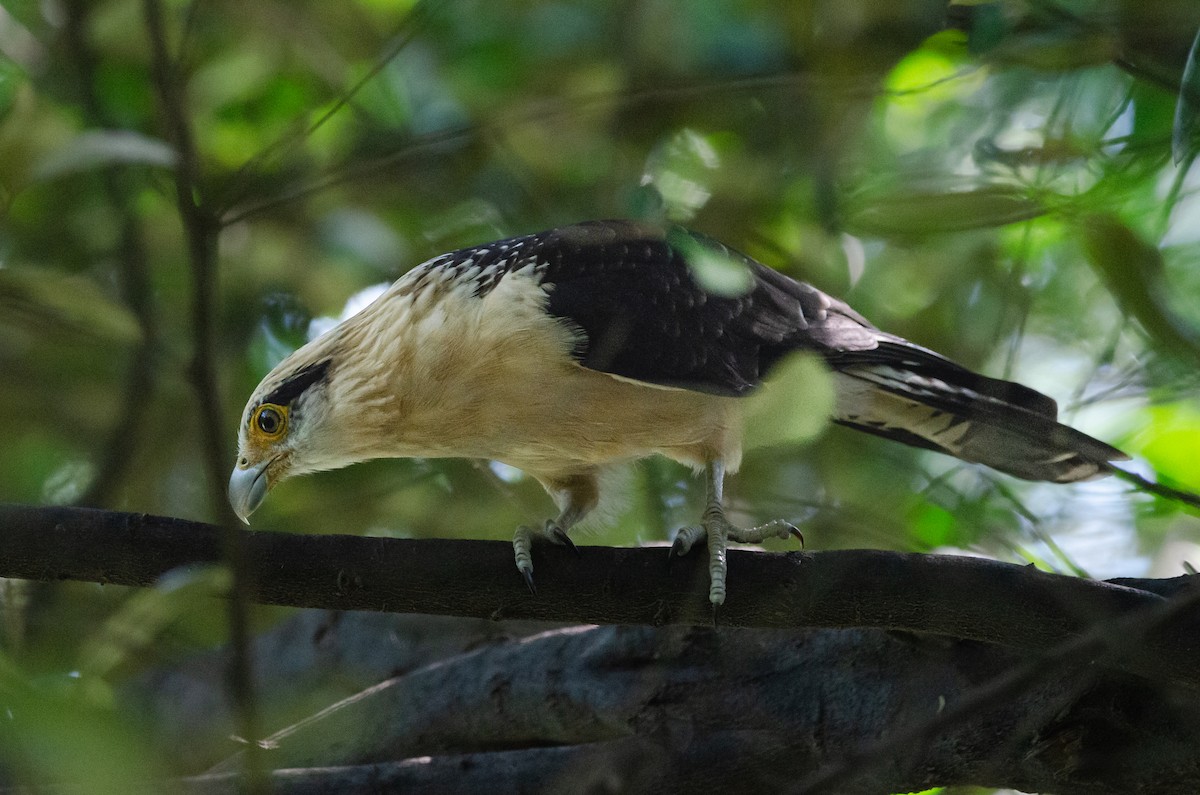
<point>795,533</point>
<point>522,549</point>
<point>686,538</point>
<point>525,537</point>
<point>559,535</point>
<point>678,549</point>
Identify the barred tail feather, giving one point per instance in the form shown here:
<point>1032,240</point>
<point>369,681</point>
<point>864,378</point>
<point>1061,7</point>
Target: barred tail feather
<point>978,419</point>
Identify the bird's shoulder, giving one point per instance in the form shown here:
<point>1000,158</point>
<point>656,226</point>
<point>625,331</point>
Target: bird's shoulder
<point>587,249</point>
<point>636,296</point>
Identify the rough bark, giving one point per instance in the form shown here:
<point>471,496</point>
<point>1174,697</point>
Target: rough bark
<point>640,709</point>
<point>960,597</point>
<point>1082,687</point>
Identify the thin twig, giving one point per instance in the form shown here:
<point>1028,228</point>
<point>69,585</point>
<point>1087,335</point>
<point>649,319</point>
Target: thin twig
<point>1188,498</point>
<point>134,276</point>
<point>534,113</point>
<point>404,34</point>
<point>200,228</point>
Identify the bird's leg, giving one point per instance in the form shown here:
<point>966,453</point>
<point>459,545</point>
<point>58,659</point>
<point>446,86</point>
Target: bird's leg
<point>719,532</point>
<point>576,496</point>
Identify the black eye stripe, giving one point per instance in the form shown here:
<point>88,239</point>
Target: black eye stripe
<point>295,385</point>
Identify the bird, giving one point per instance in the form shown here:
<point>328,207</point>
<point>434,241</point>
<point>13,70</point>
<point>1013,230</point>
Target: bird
<point>567,351</point>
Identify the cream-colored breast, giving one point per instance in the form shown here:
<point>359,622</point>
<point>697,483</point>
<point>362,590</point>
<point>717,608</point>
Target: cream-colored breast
<point>453,374</point>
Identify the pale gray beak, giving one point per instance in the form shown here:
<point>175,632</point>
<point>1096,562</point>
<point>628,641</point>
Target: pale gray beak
<point>247,488</point>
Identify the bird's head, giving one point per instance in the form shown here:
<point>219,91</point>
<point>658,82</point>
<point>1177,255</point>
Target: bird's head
<point>285,429</point>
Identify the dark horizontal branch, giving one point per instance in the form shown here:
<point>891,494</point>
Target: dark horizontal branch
<point>479,772</point>
<point>968,598</point>
<point>675,709</point>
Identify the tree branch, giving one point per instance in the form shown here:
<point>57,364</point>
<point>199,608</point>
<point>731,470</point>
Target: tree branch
<point>134,274</point>
<point>635,709</point>
<point>200,229</point>
<point>968,598</point>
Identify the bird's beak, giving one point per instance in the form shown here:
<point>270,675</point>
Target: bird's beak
<point>247,487</point>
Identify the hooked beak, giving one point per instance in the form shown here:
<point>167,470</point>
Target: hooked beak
<point>247,488</point>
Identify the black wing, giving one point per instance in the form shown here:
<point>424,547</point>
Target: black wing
<point>633,293</point>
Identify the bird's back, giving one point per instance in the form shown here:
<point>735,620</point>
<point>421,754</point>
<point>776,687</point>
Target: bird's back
<point>636,305</point>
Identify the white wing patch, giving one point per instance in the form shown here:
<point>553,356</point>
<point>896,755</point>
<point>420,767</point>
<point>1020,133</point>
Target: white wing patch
<point>647,384</point>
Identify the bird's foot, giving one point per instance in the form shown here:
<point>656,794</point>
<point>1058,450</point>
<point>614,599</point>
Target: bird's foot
<point>523,546</point>
<point>719,532</point>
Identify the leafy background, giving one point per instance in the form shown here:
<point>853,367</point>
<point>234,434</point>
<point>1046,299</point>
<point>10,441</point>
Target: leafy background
<point>1007,182</point>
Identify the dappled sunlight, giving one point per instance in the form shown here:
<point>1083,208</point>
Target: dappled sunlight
<point>1011,185</point>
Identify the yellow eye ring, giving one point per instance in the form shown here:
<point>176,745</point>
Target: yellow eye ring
<point>270,420</point>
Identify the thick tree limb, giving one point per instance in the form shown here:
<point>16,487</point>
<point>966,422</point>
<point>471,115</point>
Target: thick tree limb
<point>639,709</point>
<point>646,709</point>
<point>968,598</point>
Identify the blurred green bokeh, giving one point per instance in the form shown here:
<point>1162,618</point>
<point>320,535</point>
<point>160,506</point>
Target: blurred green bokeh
<point>1002,191</point>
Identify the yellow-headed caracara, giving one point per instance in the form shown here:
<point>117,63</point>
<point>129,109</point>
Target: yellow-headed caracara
<point>562,352</point>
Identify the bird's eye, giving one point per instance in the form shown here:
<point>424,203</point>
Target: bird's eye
<point>271,420</point>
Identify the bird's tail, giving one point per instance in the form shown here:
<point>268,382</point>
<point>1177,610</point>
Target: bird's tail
<point>938,405</point>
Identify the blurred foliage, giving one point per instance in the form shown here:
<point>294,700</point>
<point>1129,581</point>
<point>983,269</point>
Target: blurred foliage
<point>993,179</point>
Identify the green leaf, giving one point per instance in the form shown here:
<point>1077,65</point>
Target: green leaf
<point>389,9</point>
<point>901,214</point>
<point>55,735</point>
<point>932,526</point>
<point>717,272</point>
<point>988,27</point>
<point>793,406</point>
<point>681,170</point>
<point>99,148</point>
<point>1056,50</point>
<point>127,94</point>
<point>1133,271</point>
<point>1185,134</point>
<point>50,301</point>
<point>1153,116</point>
<point>135,628</point>
<point>1170,442</point>
<point>12,77</point>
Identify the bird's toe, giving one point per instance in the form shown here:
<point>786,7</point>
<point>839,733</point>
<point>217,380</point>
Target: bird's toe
<point>685,539</point>
<point>559,536</point>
